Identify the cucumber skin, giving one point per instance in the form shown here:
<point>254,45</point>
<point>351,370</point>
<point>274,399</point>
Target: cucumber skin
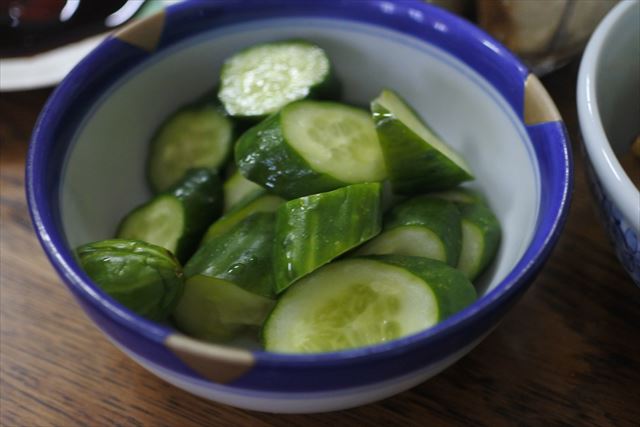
<point>452,289</point>
<point>412,166</point>
<point>202,197</point>
<point>117,265</point>
<point>329,89</point>
<point>242,255</point>
<point>200,193</point>
<point>482,217</point>
<point>306,239</point>
<point>208,99</point>
<point>263,156</point>
<point>251,204</point>
<point>440,216</point>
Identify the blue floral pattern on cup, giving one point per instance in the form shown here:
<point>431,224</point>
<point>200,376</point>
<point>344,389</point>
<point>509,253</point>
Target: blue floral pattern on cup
<point>625,240</point>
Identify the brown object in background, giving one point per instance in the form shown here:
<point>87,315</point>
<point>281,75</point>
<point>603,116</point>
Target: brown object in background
<point>544,34</point>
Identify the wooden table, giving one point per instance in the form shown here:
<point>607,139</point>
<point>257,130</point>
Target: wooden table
<point>567,354</point>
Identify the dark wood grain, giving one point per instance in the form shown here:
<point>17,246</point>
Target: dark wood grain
<point>567,354</point>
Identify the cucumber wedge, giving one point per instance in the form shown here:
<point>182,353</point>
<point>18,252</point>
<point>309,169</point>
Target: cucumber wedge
<point>417,160</point>
<point>481,232</point>
<point>421,226</point>
<point>365,301</point>
<point>313,230</point>
<point>481,236</point>
<point>260,80</point>
<point>242,256</point>
<point>199,135</point>
<point>217,311</point>
<point>177,219</point>
<point>260,201</point>
<point>311,147</point>
<point>236,188</point>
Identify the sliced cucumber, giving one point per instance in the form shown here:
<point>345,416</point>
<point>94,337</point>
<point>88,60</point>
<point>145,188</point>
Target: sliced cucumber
<point>258,202</point>
<point>216,310</point>
<point>311,147</point>
<point>262,79</point>
<point>417,160</point>
<point>480,238</point>
<point>176,219</point>
<point>364,301</point>
<point>421,226</point>
<point>196,136</point>
<point>313,230</point>
<point>145,278</point>
<point>242,255</point>
<point>236,188</point>
<point>481,231</point>
<point>460,195</point>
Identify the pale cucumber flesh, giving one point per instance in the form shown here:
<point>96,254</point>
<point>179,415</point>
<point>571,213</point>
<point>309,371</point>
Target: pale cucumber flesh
<point>407,240</point>
<point>236,188</point>
<point>472,249</point>
<point>216,310</point>
<point>160,223</point>
<point>335,139</point>
<point>193,138</point>
<point>348,304</point>
<point>262,79</point>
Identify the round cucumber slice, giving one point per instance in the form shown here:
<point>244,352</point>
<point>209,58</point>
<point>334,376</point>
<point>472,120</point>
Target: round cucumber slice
<point>177,219</point>
<point>417,160</point>
<point>311,147</point>
<point>333,138</point>
<point>197,136</point>
<point>262,79</point>
<point>364,301</point>
<point>159,222</point>
<point>216,310</point>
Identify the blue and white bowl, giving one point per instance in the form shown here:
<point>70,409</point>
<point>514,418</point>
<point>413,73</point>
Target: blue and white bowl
<point>85,171</point>
<point>608,98</point>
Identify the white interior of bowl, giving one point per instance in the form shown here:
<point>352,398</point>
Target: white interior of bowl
<point>104,175</point>
<point>618,81</point>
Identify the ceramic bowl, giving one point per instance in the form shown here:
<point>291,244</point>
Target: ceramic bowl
<point>608,98</point>
<point>85,171</point>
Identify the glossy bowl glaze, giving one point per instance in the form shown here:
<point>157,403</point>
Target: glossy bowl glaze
<point>85,171</point>
<point>608,98</point>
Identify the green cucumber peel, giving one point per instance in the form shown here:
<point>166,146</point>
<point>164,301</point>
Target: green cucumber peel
<point>145,278</point>
<point>313,230</point>
<point>420,226</point>
<point>416,158</point>
<point>311,147</point>
<point>242,255</point>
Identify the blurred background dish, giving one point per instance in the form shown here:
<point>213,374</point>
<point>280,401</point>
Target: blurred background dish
<point>608,101</point>
<point>42,40</point>
<point>544,34</point>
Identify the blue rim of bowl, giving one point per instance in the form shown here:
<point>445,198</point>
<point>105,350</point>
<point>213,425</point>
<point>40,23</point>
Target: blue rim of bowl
<point>508,78</point>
